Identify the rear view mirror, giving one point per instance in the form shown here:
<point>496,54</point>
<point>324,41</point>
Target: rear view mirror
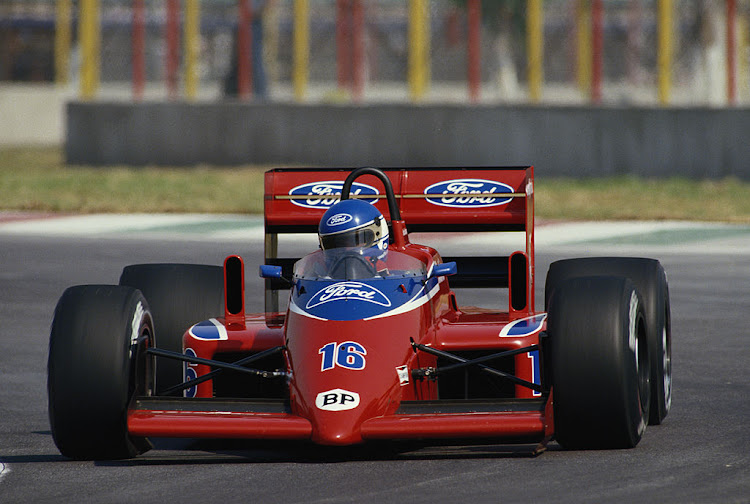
<point>268,271</point>
<point>444,269</point>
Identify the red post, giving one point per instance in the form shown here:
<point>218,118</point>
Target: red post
<point>138,41</point>
<point>731,52</point>
<point>597,38</point>
<point>244,54</point>
<point>343,47</point>
<point>474,18</point>
<point>173,46</point>
<point>358,48</point>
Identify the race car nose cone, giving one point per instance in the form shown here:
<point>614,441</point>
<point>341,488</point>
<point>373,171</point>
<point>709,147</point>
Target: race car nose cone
<point>337,431</point>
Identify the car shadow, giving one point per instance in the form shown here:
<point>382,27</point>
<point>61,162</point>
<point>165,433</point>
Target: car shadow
<point>186,452</point>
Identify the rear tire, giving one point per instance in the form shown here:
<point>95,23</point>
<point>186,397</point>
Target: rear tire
<point>650,280</point>
<point>179,295</point>
<point>599,363</point>
<point>97,364</point>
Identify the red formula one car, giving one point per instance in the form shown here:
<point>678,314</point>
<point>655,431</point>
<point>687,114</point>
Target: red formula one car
<point>374,344</point>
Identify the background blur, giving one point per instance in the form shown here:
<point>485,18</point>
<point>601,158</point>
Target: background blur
<point>553,52</point>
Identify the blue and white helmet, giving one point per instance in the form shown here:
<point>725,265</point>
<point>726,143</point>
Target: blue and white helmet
<point>354,224</point>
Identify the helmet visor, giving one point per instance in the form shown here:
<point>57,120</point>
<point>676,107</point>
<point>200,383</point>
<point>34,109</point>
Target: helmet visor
<point>362,237</point>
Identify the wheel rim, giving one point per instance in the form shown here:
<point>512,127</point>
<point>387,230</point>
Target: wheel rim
<point>667,365</point>
<point>639,345</point>
<point>142,364</point>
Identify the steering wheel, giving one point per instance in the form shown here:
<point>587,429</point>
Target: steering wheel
<point>352,266</point>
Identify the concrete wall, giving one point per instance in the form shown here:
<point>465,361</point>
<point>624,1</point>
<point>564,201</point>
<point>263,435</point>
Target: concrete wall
<point>698,142</point>
<point>32,114</point>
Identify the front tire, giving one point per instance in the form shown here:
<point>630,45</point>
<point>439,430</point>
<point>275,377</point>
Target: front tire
<point>97,364</point>
<point>599,363</point>
<point>179,295</point>
<point>650,280</point>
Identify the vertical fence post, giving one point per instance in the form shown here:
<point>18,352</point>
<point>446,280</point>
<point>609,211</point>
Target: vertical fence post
<point>173,44</point>
<point>584,56</point>
<point>731,52</point>
<point>597,53</point>
<point>473,47</point>
<point>664,52</point>
<point>192,47</point>
<point>743,49</point>
<point>244,53</point>
<point>534,48</point>
<point>138,45</point>
<point>343,49</point>
<point>301,48</point>
<point>419,51</point>
<point>90,35</point>
<point>63,17</point>
<point>358,49</point>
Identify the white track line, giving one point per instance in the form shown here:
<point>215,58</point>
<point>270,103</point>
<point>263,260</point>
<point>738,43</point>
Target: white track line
<point>4,470</point>
<point>678,235</point>
<point>111,223</point>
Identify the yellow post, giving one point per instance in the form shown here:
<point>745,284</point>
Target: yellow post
<point>583,45</point>
<point>63,17</point>
<point>192,47</point>
<point>301,48</point>
<point>90,36</point>
<point>419,48</point>
<point>743,48</point>
<point>664,55</point>
<point>534,48</point>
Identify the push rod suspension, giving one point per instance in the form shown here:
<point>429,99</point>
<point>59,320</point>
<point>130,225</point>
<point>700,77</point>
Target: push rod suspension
<point>463,363</point>
<point>218,364</point>
<point>247,360</point>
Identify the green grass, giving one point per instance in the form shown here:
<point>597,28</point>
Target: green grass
<point>635,198</point>
<point>37,179</point>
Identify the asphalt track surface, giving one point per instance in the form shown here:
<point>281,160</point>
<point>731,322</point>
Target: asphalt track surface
<point>701,453</point>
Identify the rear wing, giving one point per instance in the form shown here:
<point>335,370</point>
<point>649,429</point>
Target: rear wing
<point>455,199</point>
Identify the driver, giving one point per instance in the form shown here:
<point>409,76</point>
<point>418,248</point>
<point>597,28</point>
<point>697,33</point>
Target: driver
<point>354,226</point>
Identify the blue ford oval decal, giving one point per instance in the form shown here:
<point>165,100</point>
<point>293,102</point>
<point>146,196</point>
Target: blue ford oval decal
<point>524,327</point>
<point>348,291</point>
<point>468,193</point>
<point>208,330</point>
<point>339,219</point>
<point>324,194</point>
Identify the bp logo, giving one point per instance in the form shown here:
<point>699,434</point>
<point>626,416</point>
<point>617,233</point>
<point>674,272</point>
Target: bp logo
<point>337,400</point>
<point>324,194</point>
<point>468,193</point>
<point>349,291</point>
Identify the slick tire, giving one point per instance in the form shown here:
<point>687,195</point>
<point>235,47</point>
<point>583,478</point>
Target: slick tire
<point>599,363</point>
<point>650,280</point>
<point>179,295</point>
<point>97,364</point>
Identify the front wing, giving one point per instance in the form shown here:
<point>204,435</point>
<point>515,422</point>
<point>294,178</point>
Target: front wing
<point>513,419</point>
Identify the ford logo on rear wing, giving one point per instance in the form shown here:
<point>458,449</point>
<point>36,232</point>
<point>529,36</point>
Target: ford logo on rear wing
<point>471,193</point>
<point>324,194</point>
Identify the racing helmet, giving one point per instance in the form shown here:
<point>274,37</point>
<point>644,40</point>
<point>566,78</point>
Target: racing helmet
<point>354,225</point>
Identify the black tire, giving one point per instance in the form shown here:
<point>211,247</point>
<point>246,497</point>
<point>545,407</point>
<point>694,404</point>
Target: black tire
<point>179,295</point>
<point>599,363</point>
<point>97,363</point>
<point>650,280</point>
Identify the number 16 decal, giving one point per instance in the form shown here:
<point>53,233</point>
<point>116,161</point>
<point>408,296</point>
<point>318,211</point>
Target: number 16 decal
<point>348,355</point>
